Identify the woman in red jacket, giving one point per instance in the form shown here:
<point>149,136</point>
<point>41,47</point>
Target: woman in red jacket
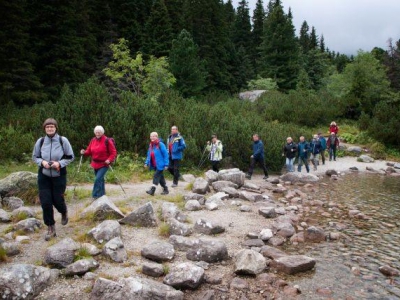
<point>103,152</point>
<point>333,128</point>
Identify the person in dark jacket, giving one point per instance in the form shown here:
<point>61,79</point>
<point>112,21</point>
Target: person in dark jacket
<point>315,149</point>
<point>176,145</point>
<point>52,154</point>
<point>157,160</point>
<point>257,157</point>
<point>103,153</point>
<point>289,151</point>
<point>323,146</point>
<point>302,154</point>
<point>333,144</point>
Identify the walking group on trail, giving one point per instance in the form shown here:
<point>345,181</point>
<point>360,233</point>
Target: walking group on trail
<point>53,153</point>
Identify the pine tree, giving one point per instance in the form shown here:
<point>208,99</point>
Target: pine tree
<point>304,39</point>
<point>322,43</point>
<point>392,63</point>
<point>257,33</point>
<point>313,38</point>
<point>230,17</point>
<point>175,13</point>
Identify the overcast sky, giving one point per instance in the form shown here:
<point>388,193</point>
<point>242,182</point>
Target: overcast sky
<point>347,25</point>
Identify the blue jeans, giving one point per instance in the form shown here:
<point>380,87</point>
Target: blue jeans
<point>99,188</point>
<point>289,164</point>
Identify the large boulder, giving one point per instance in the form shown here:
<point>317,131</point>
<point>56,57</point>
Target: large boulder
<point>271,252</point>
<point>178,228</point>
<point>249,196</point>
<point>299,177</point>
<point>211,176</point>
<point>354,149</point>
<point>192,205</point>
<point>208,250</point>
<point>283,229</point>
<point>292,264</point>
<point>189,178</point>
<point>185,276</point>
<point>28,225</point>
<point>11,248</point>
<point>234,175</point>
<point>102,209</point>
<point>366,159</point>
<point>23,281</point>
<point>181,243</point>
<point>152,269</point>
<point>81,267</point>
<point>206,227</point>
<point>194,196</point>
<point>62,254</point>
<point>200,186</point>
<point>23,212</point>
<point>219,185</point>
<point>267,212</point>
<point>105,231</point>
<point>169,210</point>
<point>158,251</point>
<point>115,250</point>
<point>4,216</point>
<point>12,203</point>
<point>20,184</point>
<point>232,192</point>
<point>249,262</point>
<point>217,198</point>
<point>143,217</point>
<point>133,288</point>
<point>251,186</point>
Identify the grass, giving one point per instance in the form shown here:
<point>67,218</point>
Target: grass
<point>8,229</point>
<point>177,199</point>
<point>165,269</point>
<point>164,229</point>
<point>82,253</point>
<point>82,237</point>
<point>107,276</point>
<point>10,167</point>
<point>189,186</point>
<point>3,254</point>
<point>78,194</point>
<point>22,215</point>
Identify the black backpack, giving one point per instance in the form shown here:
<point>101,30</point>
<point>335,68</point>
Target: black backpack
<point>62,146</point>
<point>107,141</point>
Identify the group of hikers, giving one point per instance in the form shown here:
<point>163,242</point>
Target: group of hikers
<point>52,153</point>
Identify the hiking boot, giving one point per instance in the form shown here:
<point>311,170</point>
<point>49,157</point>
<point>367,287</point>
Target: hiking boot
<point>265,177</point>
<point>248,176</point>
<point>51,232</point>
<point>174,184</point>
<point>165,191</point>
<point>151,191</point>
<point>64,218</point>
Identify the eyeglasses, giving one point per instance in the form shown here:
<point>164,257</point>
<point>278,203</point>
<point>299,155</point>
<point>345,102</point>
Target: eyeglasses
<point>50,126</point>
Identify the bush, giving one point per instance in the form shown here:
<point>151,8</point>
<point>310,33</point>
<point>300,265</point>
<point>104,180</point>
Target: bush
<point>378,150</point>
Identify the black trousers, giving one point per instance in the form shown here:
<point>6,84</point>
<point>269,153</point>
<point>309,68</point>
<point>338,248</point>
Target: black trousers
<point>51,193</point>
<point>215,165</point>
<point>260,162</point>
<point>173,168</point>
<point>158,178</point>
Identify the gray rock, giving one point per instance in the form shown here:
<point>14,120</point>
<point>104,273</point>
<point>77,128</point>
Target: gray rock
<point>277,241</point>
<point>12,203</point>
<point>354,149</point>
<point>152,269</point>
<point>207,227</point>
<point>218,186</point>
<point>23,211</point>
<point>299,177</point>
<point>194,196</point>
<point>61,254</point>
<point>90,276</point>
<point>354,169</point>
<point>267,212</point>
<point>208,250</point>
<point>211,176</point>
<point>169,210</point>
<point>4,216</point>
<point>81,267</point>
<point>274,180</point>
<point>314,234</point>
<point>189,178</point>
<point>366,159</point>
<point>217,198</point>
<point>133,288</point>
<point>11,248</point>
<point>21,238</point>
<point>179,228</point>
<point>249,196</point>
<point>272,252</point>
<point>245,208</point>
<point>396,166</point>
<point>115,250</point>
<point>266,234</point>
<point>232,192</point>
<point>280,211</point>
<point>143,217</point>
<point>212,206</point>
<point>251,95</point>
<point>19,184</point>
<point>253,243</point>
<point>251,186</point>
<point>158,251</point>
<point>239,284</point>
<point>102,209</point>
<point>105,231</point>
<point>234,175</point>
<point>185,276</point>
<point>249,262</point>
<point>91,249</point>
<point>293,264</point>
<point>206,295</point>
<point>181,243</point>
<point>200,186</point>
<point>283,229</point>
<point>192,205</point>
<point>28,225</point>
<point>389,271</point>
<point>22,281</point>
<point>331,172</point>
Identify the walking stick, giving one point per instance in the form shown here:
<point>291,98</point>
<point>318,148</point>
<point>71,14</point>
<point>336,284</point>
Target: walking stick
<point>77,172</point>
<point>119,181</point>
<point>202,159</point>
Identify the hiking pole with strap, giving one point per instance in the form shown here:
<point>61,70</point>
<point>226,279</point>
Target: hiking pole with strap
<point>203,158</point>
<point>76,173</point>
<point>119,181</point>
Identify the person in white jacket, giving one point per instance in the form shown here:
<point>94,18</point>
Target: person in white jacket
<point>215,148</point>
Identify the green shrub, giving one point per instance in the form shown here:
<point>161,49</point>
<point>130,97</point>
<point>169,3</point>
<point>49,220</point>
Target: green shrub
<point>378,150</point>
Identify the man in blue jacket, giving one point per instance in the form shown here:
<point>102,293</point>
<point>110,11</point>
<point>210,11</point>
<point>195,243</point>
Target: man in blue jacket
<point>257,157</point>
<point>176,145</point>
<point>315,149</point>
<point>323,146</point>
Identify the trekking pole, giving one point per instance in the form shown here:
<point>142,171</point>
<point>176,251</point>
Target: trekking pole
<point>76,173</point>
<point>203,158</point>
<point>119,181</point>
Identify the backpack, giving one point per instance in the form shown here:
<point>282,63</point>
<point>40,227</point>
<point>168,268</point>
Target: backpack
<point>61,143</point>
<point>107,141</point>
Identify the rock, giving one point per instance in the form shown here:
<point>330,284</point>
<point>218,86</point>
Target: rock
<point>194,196</point>
<point>22,238</point>
<point>178,228</point>
<point>297,238</point>
<point>331,172</point>
<point>28,225</point>
<point>212,206</point>
<point>133,288</point>
<point>23,281</point>
<point>115,250</point>
<point>334,236</point>
<point>293,264</point>
<point>234,175</point>
<point>251,95</point>
<point>143,217</point>
<point>252,235</point>
<point>249,262</point>
<point>390,170</point>
<point>91,249</point>
<point>370,169</point>
<point>169,210</point>
<point>291,291</point>
<point>274,180</point>
<point>277,241</point>
<point>266,234</point>
<point>192,205</point>
<point>218,186</point>
<point>208,250</point>
<point>253,243</point>
<point>81,267</point>
<point>24,211</point>
<point>249,196</point>
<point>299,177</point>
<point>153,269</point>
<point>251,186</point>
<point>354,169</point>
<point>11,248</point>
<point>365,158</point>
<point>396,166</point>
<point>189,178</point>
<point>20,184</point>
<point>206,295</point>
<point>4,216</point>
<point>158,251</point>
<point>232,192</point>
<point>239,284</point>
<point>90,276</point>
<point>200,186</point>
<point>280,211</point>
<point>245,208</point>
<point>207,227</point>
<point>267,212</point>
<point>185,276</point>
<point>354,149</point>
<point>272,252</point>
<point>217,198</point>
<point>211,176</point>
<point>61,254</point>
<point>283,229</point>
<point>213,278</point>
<point>388,271</point>
<point>12,203</point>
<point>102,209</point>
<point>314,234</point>
<point>105,231</point>
<point>181,243</point>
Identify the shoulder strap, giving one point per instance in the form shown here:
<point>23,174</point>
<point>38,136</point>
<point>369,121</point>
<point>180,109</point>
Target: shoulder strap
<point>107,142</point>
<point>61,142</point>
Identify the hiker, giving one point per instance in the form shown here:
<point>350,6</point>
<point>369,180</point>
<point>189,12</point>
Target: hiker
<point>333,128</point>
<point>103,153</point>
<point>157,159</point>
<point>289,151</point>
<point>52,153</point>
<point>315,149</point>
<point>302,154</point>
<point>176,145</point>
<point>333,144</point>
<point>323,146</point>
<point>215,148</point>
<point>257,157</point>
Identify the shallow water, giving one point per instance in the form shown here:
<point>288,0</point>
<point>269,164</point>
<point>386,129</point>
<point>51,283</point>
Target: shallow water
<point>370,244</point>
